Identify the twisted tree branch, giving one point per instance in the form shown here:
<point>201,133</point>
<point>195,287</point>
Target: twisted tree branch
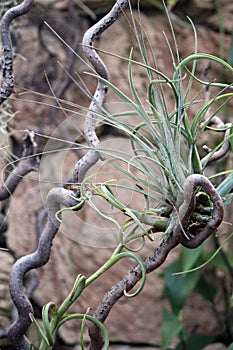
<point>222,151</point>
<point>29,162</point>
<point>186,209</point>
<point>126,284</point>
<point>57,197</point>
<point>7,64</point>
<point>89,159</point>
<point>219,125</point>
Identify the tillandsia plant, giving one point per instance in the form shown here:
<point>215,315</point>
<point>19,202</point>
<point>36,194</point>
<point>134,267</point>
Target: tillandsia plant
<point>178,199</point>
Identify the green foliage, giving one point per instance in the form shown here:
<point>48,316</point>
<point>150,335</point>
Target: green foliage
<point>178,287</point>
<point>196,341</point>
<point>206,289</point>
<point>171,328</point>
<point>178,290</point>
<point>190,258</point>
<point>54,317</point>
<point>174,328</point>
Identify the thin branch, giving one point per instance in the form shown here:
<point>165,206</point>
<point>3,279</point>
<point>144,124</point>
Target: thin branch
<point>29,162</point>
<point>219,125</point>
<point>7,64</point>
<point>126,284</point>
<point>220,153</point>
<point>89,159</point>
<point>57,197</point>
<point>186,209</point>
